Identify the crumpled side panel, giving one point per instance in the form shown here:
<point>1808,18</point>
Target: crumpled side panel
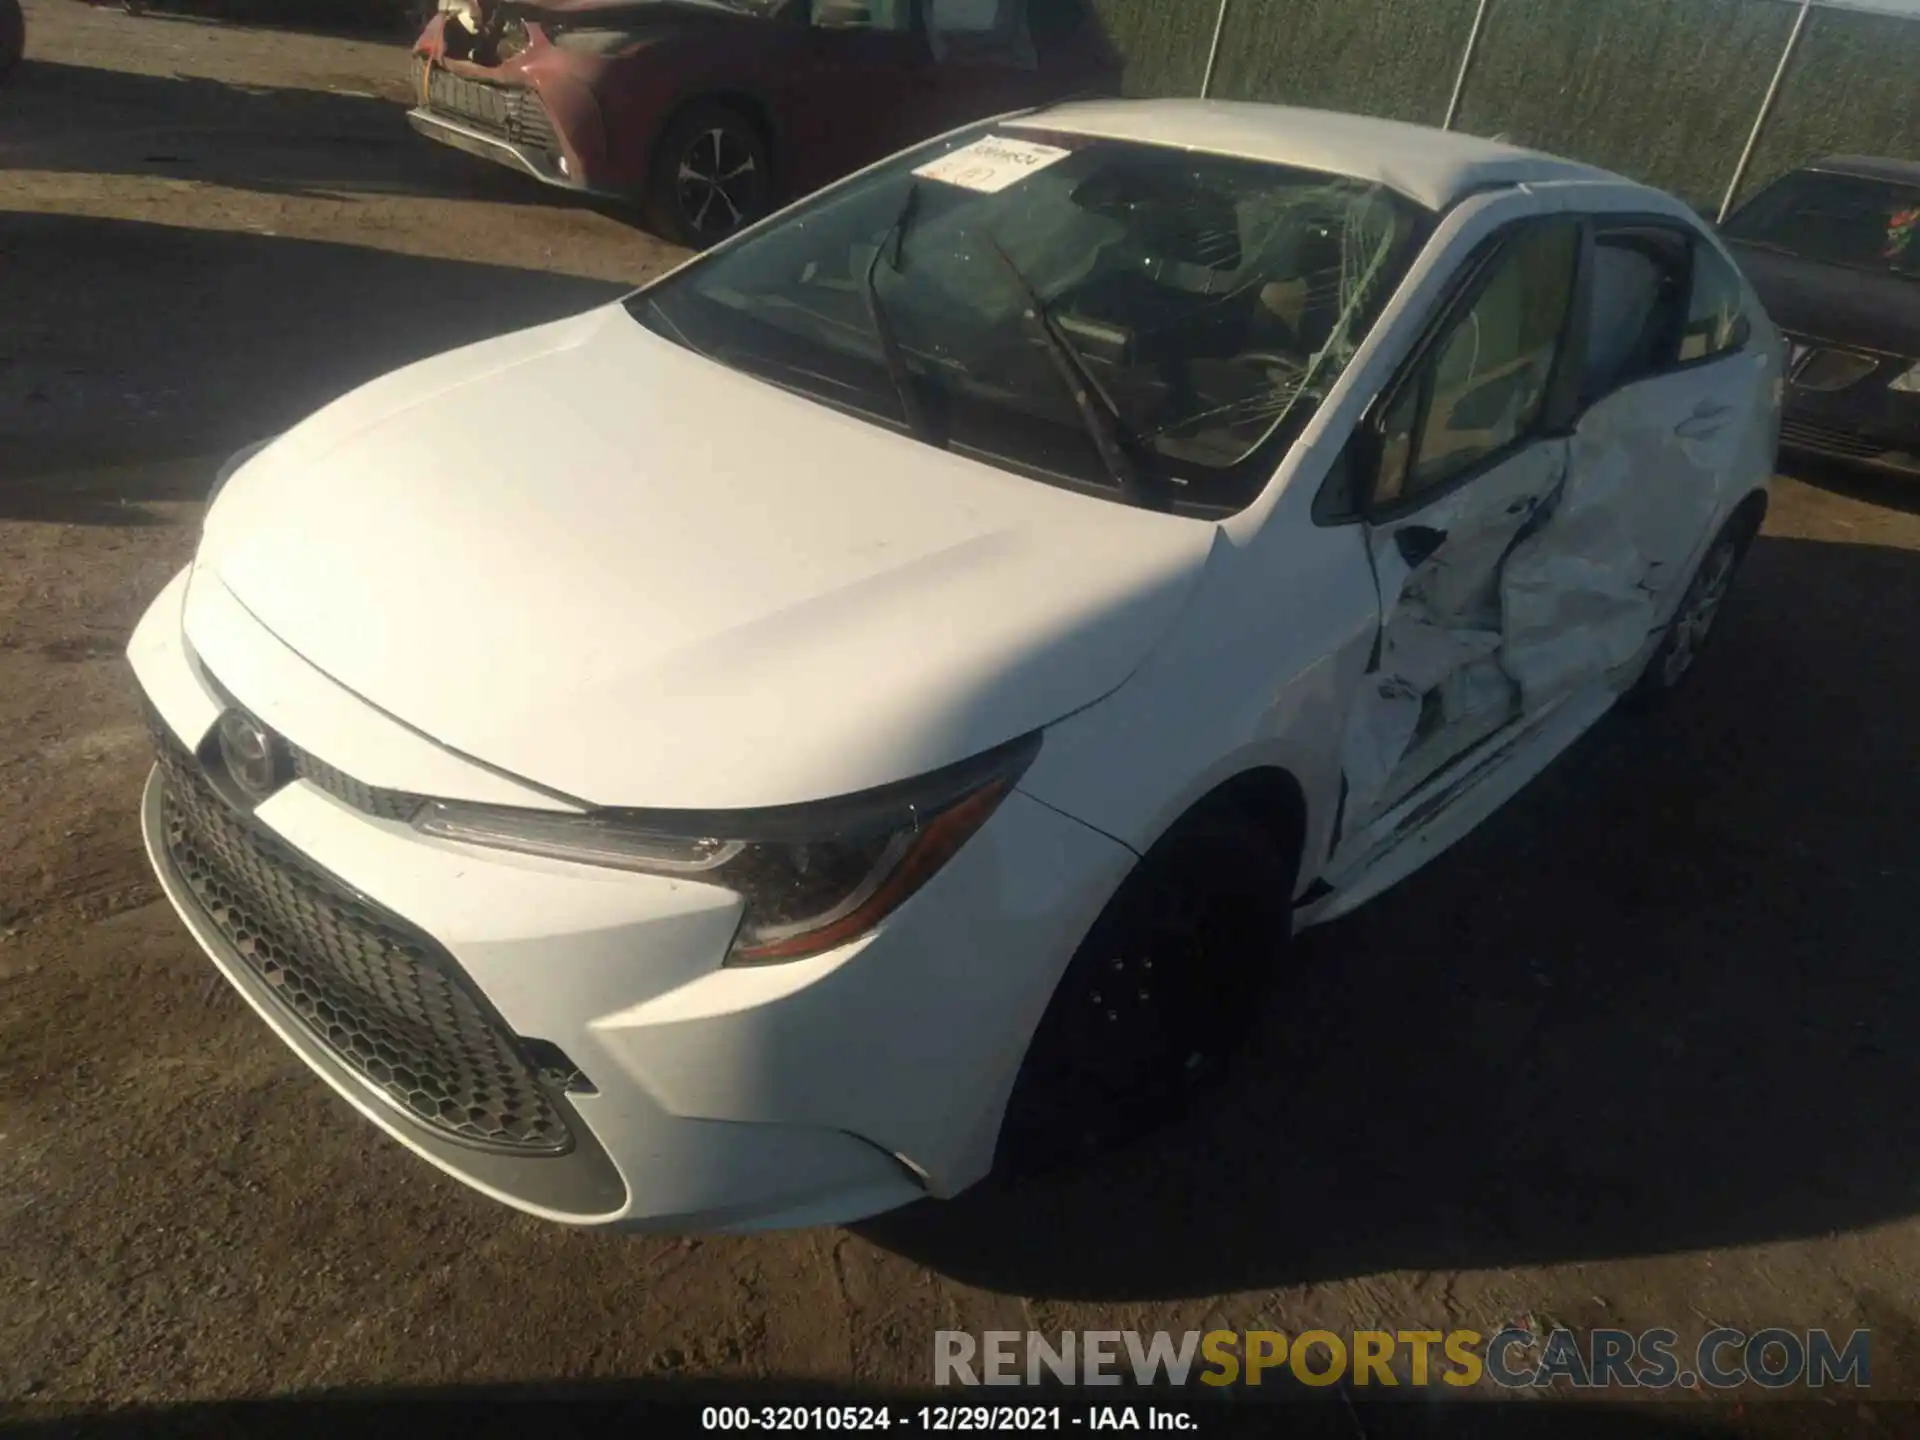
<point>1416,657</point>
<point>1574,594</point>
<point>1439,670</point>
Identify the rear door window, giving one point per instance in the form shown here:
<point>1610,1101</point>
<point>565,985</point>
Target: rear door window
<point>1639,303</point>
<point>1716,312</point>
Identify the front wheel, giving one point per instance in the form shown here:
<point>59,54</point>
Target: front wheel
<point>710,176</point>
<point>1157,995</point>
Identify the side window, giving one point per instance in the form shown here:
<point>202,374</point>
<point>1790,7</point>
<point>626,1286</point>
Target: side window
<point>963,16</point>
<point>1716,311</point>
<point>887,15</point>
<point>1053,21</point>
<point>1484,381</point>
<point>1639,294</point>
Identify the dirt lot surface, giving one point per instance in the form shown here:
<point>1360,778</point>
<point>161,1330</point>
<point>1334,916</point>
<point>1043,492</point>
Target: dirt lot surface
<point>1640,1052</point>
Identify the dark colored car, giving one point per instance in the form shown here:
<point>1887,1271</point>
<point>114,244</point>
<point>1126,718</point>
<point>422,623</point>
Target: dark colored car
<point>710,112</point>
<point>1834,252</point>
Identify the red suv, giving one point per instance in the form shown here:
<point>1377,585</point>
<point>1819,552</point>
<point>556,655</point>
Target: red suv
<point>710,112</point>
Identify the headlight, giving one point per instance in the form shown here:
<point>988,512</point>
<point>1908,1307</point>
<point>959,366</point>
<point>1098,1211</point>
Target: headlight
<point>812,876</point>
<point>233,463</point>
<point>1907,384</point>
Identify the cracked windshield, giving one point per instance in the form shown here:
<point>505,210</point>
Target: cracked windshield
<point>1134,320</point>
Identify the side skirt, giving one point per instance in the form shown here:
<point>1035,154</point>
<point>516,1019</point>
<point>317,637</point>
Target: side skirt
<point>1452,804</point>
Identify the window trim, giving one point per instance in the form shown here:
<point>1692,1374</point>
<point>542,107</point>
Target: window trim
<point>1555,411</point>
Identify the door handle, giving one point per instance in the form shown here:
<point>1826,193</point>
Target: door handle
<point>1417,543</point>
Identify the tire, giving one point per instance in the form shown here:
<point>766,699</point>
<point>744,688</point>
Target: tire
<point>711,175</point>
<point>13,37</point>
<point>1693,621</point>
<point>1156,998</point>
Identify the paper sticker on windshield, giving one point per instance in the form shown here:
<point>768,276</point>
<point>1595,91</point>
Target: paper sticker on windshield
<point>991,164</point>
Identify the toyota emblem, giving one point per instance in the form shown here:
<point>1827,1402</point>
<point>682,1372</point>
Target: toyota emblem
<point>252,758</point>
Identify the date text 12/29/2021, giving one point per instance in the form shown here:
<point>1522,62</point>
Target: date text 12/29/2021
<point>937,1419</point>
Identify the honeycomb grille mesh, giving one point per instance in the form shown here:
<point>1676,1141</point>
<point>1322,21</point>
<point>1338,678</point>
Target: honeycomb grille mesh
<point>386,1001</point>
<point>512,112</point>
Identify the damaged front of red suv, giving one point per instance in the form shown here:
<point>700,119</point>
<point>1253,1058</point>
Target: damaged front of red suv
<point>528,86</point>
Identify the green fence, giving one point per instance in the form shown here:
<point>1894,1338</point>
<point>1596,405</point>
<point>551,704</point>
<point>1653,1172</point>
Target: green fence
<point>1663,90</point>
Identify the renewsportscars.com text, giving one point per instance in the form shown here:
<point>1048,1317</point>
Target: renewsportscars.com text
<point>1511,1359</point>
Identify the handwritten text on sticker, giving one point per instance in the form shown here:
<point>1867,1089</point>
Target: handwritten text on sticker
<point>991,164</point>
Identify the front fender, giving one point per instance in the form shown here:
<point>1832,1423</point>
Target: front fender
<point>1258,673</point>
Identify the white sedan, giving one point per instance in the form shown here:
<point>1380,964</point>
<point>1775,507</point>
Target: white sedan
<point>879,701</point>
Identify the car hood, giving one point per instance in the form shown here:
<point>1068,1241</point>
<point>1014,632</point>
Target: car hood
<point>1833,302</point>
<point>602,563</point>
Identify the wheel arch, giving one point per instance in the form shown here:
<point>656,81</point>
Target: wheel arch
<point>753,107</point>
<point>1268,797</point>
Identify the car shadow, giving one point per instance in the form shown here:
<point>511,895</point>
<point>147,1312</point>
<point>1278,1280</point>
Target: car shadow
<point>280,140</point>
<point>1890,492</point>
<point>391,20</point>
<point>1664,1000</point>
<point>126,345</point>
<point>669,1406</point>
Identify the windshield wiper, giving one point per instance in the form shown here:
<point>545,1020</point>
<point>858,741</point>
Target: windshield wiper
<point>1096,411</point>
<point>902,378</point>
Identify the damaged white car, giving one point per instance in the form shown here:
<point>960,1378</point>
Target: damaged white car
<point>888,699</point>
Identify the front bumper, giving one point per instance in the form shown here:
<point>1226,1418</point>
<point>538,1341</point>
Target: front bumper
<point>544,121</point>
<point>461,135</point>
<point>1831,441</point>
<point>721,1098</point>
<point>1840,405</point>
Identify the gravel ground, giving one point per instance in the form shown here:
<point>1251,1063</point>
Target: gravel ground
<point>1639,1052</point>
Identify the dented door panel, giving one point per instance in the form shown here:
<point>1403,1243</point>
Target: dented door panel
<point>1439,685</point>
<point>1647,476</point>
<point>1573,594</point>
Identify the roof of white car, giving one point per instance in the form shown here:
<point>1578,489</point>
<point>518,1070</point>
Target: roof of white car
<point>1437,168</point>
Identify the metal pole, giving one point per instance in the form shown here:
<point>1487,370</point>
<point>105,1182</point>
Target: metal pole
<point>1466,63</point>
<point>1213,55</point>
<point>1766,111</point>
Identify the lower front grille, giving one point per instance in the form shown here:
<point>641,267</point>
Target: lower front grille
<point>513,112</point>
<point>1807,435</point>
<point>386,1001</point>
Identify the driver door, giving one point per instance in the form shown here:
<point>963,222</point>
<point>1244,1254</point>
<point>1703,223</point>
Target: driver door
<point>1466,451</point>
